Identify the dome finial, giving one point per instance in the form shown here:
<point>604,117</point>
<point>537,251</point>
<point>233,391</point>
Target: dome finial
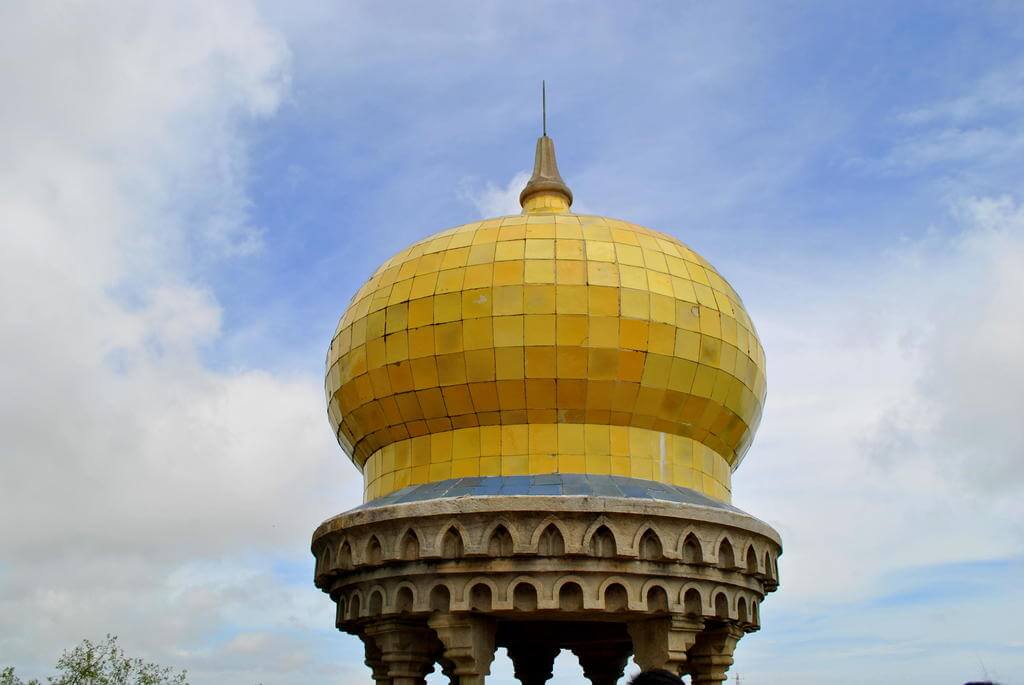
<point>545,191</point>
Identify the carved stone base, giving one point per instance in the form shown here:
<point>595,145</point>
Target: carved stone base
<point>449,580</point>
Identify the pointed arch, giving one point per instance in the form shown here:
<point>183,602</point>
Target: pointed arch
<point>692,551</point>
<point>511,529</point>
<point>500,542</point>
<point>374,552</point>
<point>454,535</point>
<point>601,524</point>
<point>544,527</point>
<point>355,605</point>
<point>751,560</point>
<point>726,553</point>
<point>741,610</point>
<point>409,545</point>
<point>601,543</point>
<point>648,544</point>
<point>345,556</point>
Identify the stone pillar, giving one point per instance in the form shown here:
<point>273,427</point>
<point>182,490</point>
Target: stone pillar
<point>533,662</point>
<point>468,643</point>
<point>374,660</point>
<point>711,656</point>
<point>603,664</point>
<point>663,642</point>
<point>406,649</point>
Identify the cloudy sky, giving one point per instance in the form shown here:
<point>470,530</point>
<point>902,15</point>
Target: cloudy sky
<point>190,192</point>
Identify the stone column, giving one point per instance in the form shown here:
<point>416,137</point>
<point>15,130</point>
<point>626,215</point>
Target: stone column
<point>603,664</point>
<point>468,643</point>
<point>533,662</point>
<point>374,660</point>
<point>663,642</point>
<point>406,649</point>
<point>711,656</point>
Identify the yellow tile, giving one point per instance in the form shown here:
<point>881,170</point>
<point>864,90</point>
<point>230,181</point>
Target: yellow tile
<point>599,251</point>
<point>633,334</point>
<point>635,304</point>
<point>572,463</point>
<point>423,285</point>
<point>421,342</point>
<point>451,369</point>
<point>508,273</point>
<point>421,312</point>
<point>508,331</point>
<point>478,333</point>
<point>572,329</point>
<point>516,465</point>
<point>490,466</point>
<point>447,307</point>
<point>603,331</point>
<point>397,317</point>
<point>571,438</point>
<point>476,303</point>
<point>710,323</point>
<point>440,472</point>
<point>642,468</point>
<point>569,249</point>
<point>441,447</point>
<point>490,440</point>
<point>598,464</point>
<point>570,272</point>
<point>620,466</point>
<point>479,365</point>
<point>397,347</point>
<point>454,258</point>
<point>603,301</point>
<point>508,300</point>
<point>420,450</point>
<point>539,271</point>
<point>572,362</point>
<point>603,364</point>
<point>628,254</point>
<point>540,248</point>
<point>509,363</point>
<point>601,273</point>
<point>540,362</point>
<point>419,474</point>
<point>448,337</point>
<point>478,276</point>
<point>539,329</point>
<point>633,277</point>
<point>571,299</point>
<point>539,299</point>
<point>543,463</point>
<point>509,250</point>
<point>543,438</point>
<point>450,280</point>
<point>463,468</point>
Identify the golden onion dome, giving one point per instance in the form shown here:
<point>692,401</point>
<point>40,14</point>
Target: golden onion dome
<point>542,343</point>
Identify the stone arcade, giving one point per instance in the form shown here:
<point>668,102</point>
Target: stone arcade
<point>547,409</point>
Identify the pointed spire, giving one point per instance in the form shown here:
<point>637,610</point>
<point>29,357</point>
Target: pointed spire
<point>545,191</point>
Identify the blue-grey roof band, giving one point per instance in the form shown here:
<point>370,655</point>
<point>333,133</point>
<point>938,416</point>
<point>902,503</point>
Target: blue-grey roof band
<point>567,484</point>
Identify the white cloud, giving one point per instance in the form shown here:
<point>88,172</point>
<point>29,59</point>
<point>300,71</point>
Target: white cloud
<point>127,461</point>
<point>891,440</point>
<point>492,200</point>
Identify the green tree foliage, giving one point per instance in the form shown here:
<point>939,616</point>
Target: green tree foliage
<point>103,663</point>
